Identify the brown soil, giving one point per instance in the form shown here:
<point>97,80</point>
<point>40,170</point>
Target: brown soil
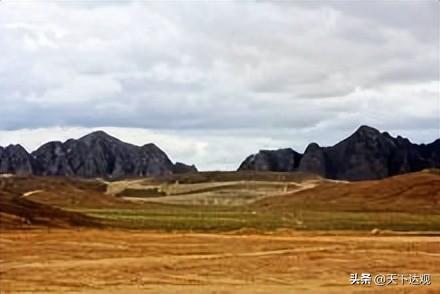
<point>36,201</point>
<point>121,261</point>
<point>415,192</point>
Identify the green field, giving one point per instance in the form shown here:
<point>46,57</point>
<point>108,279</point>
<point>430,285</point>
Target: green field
<point>221,202</point>
<point>202,218</point>
<point>241,201</point>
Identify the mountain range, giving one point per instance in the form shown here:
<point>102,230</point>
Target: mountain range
<point>94,155</point>
<point>365,155</point>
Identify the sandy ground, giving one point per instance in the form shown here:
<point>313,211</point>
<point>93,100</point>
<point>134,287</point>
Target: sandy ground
<point>120,261</point>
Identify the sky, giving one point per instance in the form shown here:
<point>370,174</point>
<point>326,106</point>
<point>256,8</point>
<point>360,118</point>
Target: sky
<point>212,82</point>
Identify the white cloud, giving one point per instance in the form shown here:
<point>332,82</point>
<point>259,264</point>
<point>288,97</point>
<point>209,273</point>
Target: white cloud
<point>267,74</point>
<point>82,88</point>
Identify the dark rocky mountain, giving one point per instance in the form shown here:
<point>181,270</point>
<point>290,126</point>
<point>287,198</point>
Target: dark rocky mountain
<point>15,159</point>
<point>281,160</point>
<point>313,160</point>
<point>181,168</point>
<point>366,154</point>
<point>94,155</point>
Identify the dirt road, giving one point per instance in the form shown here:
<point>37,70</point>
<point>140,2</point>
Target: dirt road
<point>120,261</point>
<point>30,193</point>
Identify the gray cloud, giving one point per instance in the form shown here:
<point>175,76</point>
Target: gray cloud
<point>250,69</point>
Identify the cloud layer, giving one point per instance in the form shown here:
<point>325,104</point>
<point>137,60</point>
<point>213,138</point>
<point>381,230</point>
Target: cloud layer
<point>208,77</point>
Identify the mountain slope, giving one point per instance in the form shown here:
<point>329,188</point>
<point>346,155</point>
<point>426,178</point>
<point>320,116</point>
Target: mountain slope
<point>365,155</point>
<point>281,160</point>
<point>15,159</point>
<point>17,210</point>
<point>94,155</point>
<point>417,192</point>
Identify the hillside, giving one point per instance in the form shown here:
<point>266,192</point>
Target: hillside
<point>19,209</point>
<point>226,201</point>
<point>414,192</point>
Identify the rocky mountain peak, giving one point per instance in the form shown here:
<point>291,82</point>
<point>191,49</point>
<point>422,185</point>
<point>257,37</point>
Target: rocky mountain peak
<point>364,129</point>
<point>150,146</point>
<point>312,147</point>
<point>180,168</point>
<point>285,160</point>
<point>366,132</point>
<point>365,155</point>
<point>98,136</point>
<point>94,155</point>
<point>15,147</point>
<point>15,159</point>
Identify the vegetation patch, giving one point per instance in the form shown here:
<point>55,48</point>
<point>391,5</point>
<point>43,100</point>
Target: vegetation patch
<point>142,193</point>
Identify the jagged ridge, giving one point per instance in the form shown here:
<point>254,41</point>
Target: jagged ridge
<point>94,155</point>
<point>366,154</point>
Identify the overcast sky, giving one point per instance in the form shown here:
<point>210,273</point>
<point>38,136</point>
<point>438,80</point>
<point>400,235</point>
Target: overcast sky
<point>212,82</point>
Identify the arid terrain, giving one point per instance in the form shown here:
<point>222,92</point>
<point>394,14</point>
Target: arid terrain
<point>285,233</point>
<point>121,261</point>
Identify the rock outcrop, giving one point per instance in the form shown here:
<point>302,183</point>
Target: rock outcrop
<point>181,168</point>
<point>94,155</point>
<point>281,160</point>
<point>313,160</point>
<point>365,155</point>
<point>15,159</point>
